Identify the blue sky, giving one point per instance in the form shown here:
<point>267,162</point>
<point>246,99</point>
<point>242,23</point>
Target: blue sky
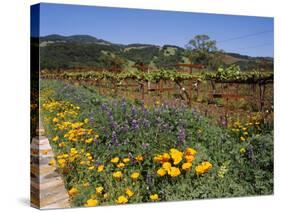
<point>242,34</point>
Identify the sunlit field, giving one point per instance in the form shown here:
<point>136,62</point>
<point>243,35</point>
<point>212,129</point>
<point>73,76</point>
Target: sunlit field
<point>114,151</point>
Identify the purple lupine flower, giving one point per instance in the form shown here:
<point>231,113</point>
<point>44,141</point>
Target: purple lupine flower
<point>181,135</point>
<point>124,105</point>
<point>112,123</point>
<point>114,139</point>
<point>145,123</point>
<point>134,111</point>
<point>104,107</point>
<point>134,124</point>
<point>145,112</point>
<point>92,120</point>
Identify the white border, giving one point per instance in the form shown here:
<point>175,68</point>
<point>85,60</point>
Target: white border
<point>14,112</point>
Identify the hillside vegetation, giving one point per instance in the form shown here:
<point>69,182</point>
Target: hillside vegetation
<point>86,51</point>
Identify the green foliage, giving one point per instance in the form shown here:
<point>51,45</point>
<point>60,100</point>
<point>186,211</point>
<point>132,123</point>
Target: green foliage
<point>166,60</point>
<point>69,55</point>
<point>127,130</point>
<point>232,73</point>
<point>144,54</point>
<point>63,52</point>
<point>202,50</point>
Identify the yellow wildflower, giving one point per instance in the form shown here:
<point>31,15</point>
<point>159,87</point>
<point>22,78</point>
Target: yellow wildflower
<point>55,120</point>
<point>190,151</point>
<point>242,138</point>
<point>122,200</point>
<point>186,166</point>
<point>158,158</point>
<point>90,131</point>
<point>115,160</point>
<point>73,191</point>
<point>139,158</point>
<point>162,158</point>
<point>56,138</point>
<point>242,150</point>
<point>129,192</point>
<point>62,144</point>
<point>117,174</point>
<point>73,151</point>
<point>126,160</point>
<point>203,167</point>
<point>174,172</point>
<point>91,203</point>
<point>135,175</point>
<point>86,121</point>
<point>199,169</point>
<point>121,165</point>
<point>82,162</point>
<point>100,168</point>
<point>62,163</point>
<point>165,157</point>
<point>91,168</point>
<point>166,166</point>
<point>161,172</point>
<point>99,189</point>
<point>189,158</point>
<point>176,155</point>
<point>89,140</point>
<point>154,197</point>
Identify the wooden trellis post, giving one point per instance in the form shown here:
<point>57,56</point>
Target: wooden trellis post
<point>190,66</point>
<point>144,68</point>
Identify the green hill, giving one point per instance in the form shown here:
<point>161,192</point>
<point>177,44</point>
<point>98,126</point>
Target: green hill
<point>57,51</point>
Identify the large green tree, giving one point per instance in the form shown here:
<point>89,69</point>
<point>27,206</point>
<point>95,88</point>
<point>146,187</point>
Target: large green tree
<point>202,50</point>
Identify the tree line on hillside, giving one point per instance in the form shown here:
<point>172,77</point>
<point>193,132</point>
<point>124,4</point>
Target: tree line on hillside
<point>199,50</point>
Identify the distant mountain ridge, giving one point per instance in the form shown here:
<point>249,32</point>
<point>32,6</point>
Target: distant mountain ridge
<point>85,39</point>
<point>58,51</point>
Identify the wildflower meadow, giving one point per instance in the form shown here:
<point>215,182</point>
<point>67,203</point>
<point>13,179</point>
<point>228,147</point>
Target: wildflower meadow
<point>114,151</point>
